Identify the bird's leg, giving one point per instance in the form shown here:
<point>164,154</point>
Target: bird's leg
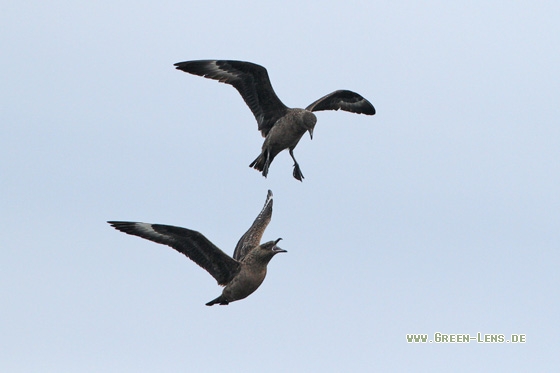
<point>266,163</point>
<point>297,172</point>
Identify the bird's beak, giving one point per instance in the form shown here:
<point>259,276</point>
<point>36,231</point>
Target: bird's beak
<point>311,133</point>
<point>276,249</point>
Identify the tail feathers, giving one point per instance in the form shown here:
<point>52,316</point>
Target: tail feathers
<point>261,163</point>
<point>220,300</point>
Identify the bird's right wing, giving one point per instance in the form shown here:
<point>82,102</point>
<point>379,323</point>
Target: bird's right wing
<point>252,82</point>
<point>344,100</point>
<point>191,243</point>
<point>253,236</point>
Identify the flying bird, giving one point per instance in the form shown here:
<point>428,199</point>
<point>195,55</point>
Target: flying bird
<point>240,275</point>
<point>281,126</point>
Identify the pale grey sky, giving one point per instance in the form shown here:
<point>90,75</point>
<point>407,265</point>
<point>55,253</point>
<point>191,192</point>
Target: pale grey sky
<point>439,214</point>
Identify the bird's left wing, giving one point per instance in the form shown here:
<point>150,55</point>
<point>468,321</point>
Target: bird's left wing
<point>344,100</point>
<point>188,242</point>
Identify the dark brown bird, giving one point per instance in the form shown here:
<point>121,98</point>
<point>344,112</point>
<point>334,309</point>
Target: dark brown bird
<point>241,275</point>
<point>281,126</point>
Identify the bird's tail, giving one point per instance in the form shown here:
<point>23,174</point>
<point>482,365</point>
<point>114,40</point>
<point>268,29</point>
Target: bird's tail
<point>262,162</point>
<point>220,300</point>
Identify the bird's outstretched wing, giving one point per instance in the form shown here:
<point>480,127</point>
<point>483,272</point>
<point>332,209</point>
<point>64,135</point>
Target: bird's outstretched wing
<point>252,82</point>
<point>191,243</point>
<point>253,236</point>
<point>345,100</point>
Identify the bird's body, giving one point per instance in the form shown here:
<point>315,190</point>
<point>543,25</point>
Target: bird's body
<point>240,275</point>
<point>281,126</point>
<point>252,272</point>
<point>285,134</point>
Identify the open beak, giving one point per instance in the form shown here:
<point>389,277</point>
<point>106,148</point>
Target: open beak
<point>276,249</point>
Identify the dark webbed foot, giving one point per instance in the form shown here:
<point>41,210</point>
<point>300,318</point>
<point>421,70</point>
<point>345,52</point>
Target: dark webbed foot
<point>297,172</point>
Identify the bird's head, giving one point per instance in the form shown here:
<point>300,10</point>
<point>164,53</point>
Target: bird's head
<point>309,121</point>
<point>268,249</point>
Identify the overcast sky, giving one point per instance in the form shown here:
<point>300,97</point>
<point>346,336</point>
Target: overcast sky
<point>440,213</point>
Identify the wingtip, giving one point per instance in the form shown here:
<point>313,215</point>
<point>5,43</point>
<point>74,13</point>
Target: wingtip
<point>269,199</point>
<point>113,222</point>
<point>123,226</point>
<point>118,225</point>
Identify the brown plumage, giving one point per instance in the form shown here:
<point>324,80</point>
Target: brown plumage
<point>241,275</point>
<point>281,126</point>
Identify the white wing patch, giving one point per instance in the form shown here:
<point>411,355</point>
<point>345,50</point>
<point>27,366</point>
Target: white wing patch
<point>147,229</point>
<point>224,74</point>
